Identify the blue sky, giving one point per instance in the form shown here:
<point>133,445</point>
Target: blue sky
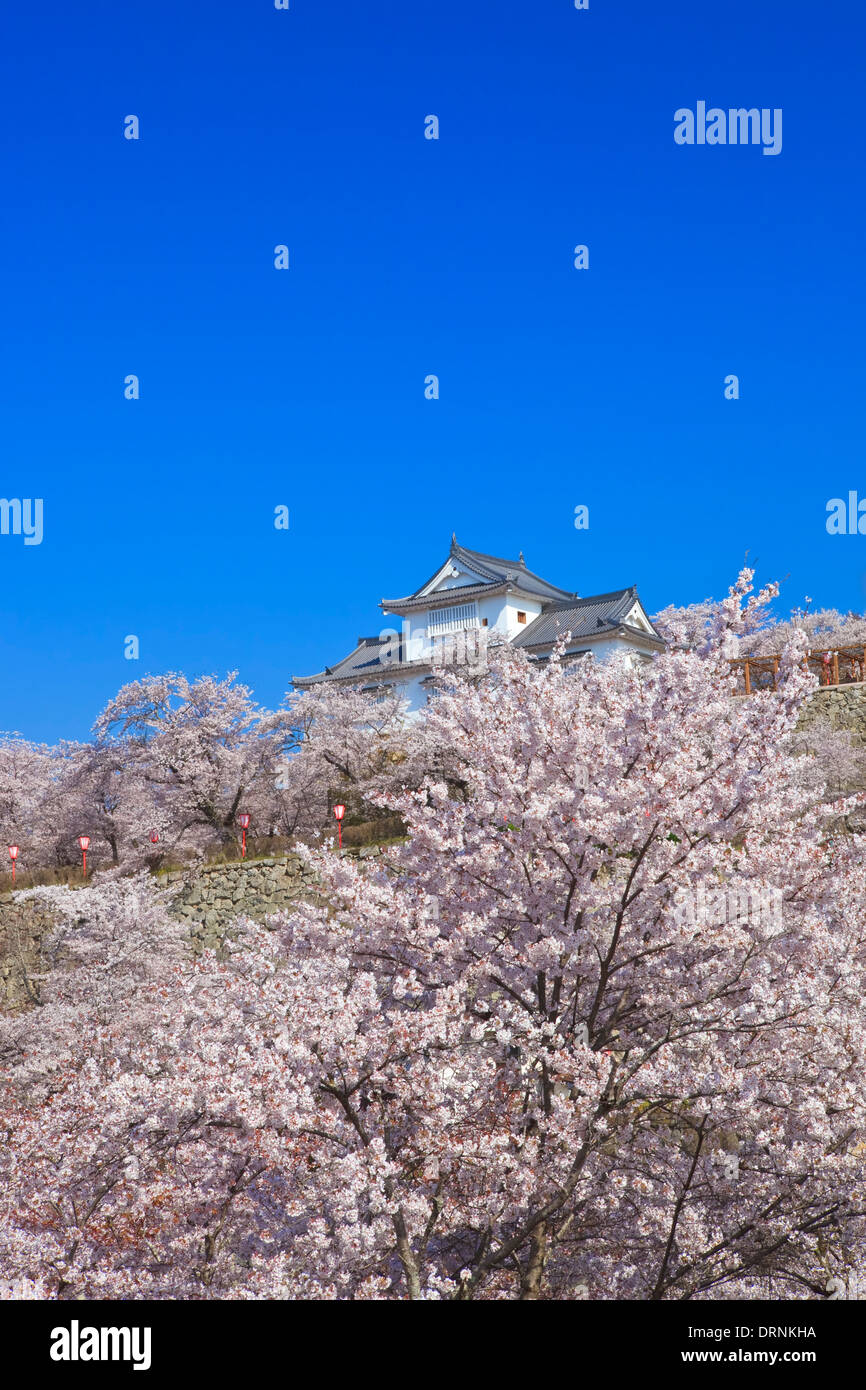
<point>408,257</point>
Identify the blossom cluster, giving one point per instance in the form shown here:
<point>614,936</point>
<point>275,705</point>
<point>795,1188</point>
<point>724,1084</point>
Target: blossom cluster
<point>502,1063</point>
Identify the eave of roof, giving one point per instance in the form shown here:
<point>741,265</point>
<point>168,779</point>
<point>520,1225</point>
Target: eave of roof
<point>463,593</point>
<point>637,634</point>
<point>388,673</point>
<point>349,672</point>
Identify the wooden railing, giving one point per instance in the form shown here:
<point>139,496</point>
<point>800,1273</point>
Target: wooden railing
<point>832,666</point>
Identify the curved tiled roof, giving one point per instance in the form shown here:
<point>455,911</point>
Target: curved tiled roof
<point>496,574</point>
<point>476,559</point>
<point>585,617</point>
<point>364,663</point>
<point>463,593</point>
<point>596,616</point>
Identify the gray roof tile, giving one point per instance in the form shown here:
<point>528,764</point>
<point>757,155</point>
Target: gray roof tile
<point>364,663</point>
<point>585,617</point>
<point>494,571</point>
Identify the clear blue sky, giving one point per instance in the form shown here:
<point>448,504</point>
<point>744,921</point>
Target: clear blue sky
<point>409,257</point>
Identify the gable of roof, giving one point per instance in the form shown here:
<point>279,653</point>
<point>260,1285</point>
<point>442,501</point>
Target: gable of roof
<point>595,616</point>
<point>493,572</point>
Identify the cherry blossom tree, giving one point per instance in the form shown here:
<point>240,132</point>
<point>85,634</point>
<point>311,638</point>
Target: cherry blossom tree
<point>179,757</point>
<point>199,748</point>
<point>765,633</point>
<point>114,953</point>
<point>694,626</point>
<point>26,774</point>
<point>836,756</point>
<point>823,627</point>
<point>345,744</point>
<point>580,1036</point>
<point>50,796</point>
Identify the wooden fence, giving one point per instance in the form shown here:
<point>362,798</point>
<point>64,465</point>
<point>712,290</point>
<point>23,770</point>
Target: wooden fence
<point>832,666</point>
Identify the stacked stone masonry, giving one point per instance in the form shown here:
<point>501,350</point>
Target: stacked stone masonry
<point>842,706</point>
<point>208,898</point>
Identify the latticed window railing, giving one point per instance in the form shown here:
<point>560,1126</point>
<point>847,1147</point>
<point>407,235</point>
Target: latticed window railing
<point>441,620</point>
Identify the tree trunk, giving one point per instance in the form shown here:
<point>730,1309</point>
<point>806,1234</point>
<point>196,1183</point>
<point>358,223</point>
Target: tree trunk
<point>531,1284</point>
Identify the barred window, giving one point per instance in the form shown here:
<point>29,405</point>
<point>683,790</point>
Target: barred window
<point>452,619</point>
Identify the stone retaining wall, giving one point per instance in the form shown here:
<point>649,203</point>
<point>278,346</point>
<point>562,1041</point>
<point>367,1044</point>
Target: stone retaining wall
<point>843,706</point>
<point>23,928</point>
<point>209,898</point>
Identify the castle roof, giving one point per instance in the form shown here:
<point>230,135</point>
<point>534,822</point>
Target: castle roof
<point>375,659</point>
<point>493,573</point>
<point>592,616</point>
<point>370,662</point>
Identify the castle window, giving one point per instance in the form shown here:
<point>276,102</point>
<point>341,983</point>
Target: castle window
<point>521,617</point>
<point>441,620</point>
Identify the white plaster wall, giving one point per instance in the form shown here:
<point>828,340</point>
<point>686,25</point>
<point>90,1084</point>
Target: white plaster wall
<point>511,607</point>
<point>461,580</point>
<point>610,646</point>
<point>412,691</point>
<point>500,611</point>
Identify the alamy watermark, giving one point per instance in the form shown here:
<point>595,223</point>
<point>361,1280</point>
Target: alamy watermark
<point>728,1162</point>
<point>736,126</point>
<point>846,519</point>
<point>466,651</point>
<point>759,906</point>
<point>22,517</point>
<point>77,1343</point>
